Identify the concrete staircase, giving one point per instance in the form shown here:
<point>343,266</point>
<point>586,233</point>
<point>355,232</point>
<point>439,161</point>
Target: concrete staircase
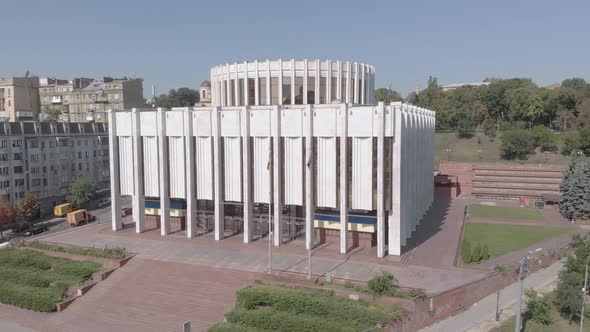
<point>515,181</point>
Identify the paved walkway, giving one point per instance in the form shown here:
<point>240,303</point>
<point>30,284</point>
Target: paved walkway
<point>480,315</point>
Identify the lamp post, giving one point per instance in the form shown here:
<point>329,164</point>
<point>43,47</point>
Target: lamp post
<point>522,273</point>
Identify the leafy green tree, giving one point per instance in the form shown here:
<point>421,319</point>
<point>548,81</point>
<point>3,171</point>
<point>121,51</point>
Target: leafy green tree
<point>81,192</point>
<point>584,141</point>
<point>517,144</point>
<point>7,214</point>
<point>182,97</point>
<point>538,309</point>
<point>387,95</point>
<point>28,207</point>
<point>574,83</point>
<point>466,126</point>
<point>571,144</point>
<point>571,279</point>
<point>51,113</point>
<point>583,118</point>
<point>575,190</point>
<point>433,97</point>
<point>476,254</point>
<point>544,138</point>
<point>489,128</point>
<point>466,252</point>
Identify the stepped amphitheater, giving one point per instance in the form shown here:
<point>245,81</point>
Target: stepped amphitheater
<point>507,181</point>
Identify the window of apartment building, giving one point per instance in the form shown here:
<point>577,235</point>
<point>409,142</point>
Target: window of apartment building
<point>36,182</point>
<point>4,170</point>
<point>45,182</point>
<point>18,169</point>
<point>79,142</point>
<point>4,157</point>
<point>86,154</point>
<point>17,143</point>
<point>94,153</point>
<point>79,155</point>
<point>87,166</point>
<point>34,157</point>
<point>18,156</point>
<point>35,170</point>
<point>73,167</point>
<point>42,145</point>
<point>79,166</point>
<point>44,169</point>
<point>5,184</point>
<point>4,143</point>
<point>105,152</point>
<point>34,144</point>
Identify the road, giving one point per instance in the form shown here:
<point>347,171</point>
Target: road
<point>483,312</point>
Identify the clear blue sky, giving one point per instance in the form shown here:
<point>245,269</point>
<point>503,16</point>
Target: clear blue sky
<point>174,43</point>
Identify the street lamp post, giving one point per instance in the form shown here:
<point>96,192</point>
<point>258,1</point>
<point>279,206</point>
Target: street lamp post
<point>523,270</point>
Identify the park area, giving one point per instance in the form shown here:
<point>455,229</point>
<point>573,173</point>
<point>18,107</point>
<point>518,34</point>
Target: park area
<point>500,239</point>
<point>32,280</point>
<point>504,212</point>
<point>280,308</point>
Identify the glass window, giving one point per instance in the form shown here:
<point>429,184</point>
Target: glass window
<point>322,90</point>
<point>262,93</point>
<point>311,90</point>
<point>298,90</point>
<point>241,97</point>
<point>274,90</point>
<point>286,86</point>
<point>343,97</point>
<point>251,92</point>
<point>334,89</point>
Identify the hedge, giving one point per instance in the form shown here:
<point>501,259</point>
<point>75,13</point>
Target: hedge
<point>277,320</point>
<point>110,253</point>
<point>313,303</point>
<point>233,327</point>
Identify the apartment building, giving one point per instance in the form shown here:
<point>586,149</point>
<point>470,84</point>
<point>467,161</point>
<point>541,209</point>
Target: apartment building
<point>19,98</point>
<point>45,158</point>
<point>87,100</point>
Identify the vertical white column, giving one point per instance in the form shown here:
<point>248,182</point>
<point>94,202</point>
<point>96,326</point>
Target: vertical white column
<point>329,93</point>
<point>343,178</point>
<point>218,199</point>
<point>164,173</point>
<point>380,180</point>
<point>268,83</point>
<point>414,169</point>
<point>348,82</point>
<point>318,76</point>
<point>256,84</point>
<point>394,236</point>
<point>246,96</point>
<point>277,176</point>
<point>236,86</point>
<point>229,87</point>
<point>309,164</point>
<point>115,173</point>
<point>305,65</point>
<point>363,86</point>
<point>339,93</point>
<point>280,87</point>
<point>191,203</point>
<point>222,85</point>
<point>247,174</point>
<point>405,174</point>
<point>138,197</point>
<point>356,83</point>
<point>292,81</point>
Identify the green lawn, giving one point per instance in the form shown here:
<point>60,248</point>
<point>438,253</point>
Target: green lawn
<point>502,239</point>
<point>278,308</point>
<point>33,280</point>
<point>502,212</point>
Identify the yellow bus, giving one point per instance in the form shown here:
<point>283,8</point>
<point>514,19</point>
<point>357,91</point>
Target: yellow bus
<point>62,209</point>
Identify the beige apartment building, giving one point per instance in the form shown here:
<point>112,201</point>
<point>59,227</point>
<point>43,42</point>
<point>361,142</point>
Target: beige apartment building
<point>87,100</point>
<point>19,98</point>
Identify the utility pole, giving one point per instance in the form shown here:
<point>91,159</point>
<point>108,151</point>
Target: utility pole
<point>523,270</point>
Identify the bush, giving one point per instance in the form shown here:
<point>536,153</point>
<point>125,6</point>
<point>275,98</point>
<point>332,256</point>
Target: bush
<point>512,125</point>
<point>538,309</point>
<point>466,252</point>
<point>348,285</point>
<point>382,283</point>
<point>584,140</point>
<point>110,253</point>
<point>544,138</point>
<point>476,254</point>
<point>570,145</point>
<point>500,268</point>
<point>276,320</point>
<point>489,128</point>
<point>315,303</point>
<point>232,327</point>
<point>485,254</point>
<point>517,144</point>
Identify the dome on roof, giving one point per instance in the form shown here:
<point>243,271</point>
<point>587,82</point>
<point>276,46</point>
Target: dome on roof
<point>206,83</point>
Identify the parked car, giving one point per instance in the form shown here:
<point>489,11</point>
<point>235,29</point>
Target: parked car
<point>20,227</point>
<point>104,202</point>
<point>36,229</point>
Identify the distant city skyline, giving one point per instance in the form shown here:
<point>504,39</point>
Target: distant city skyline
<point>174,44</point>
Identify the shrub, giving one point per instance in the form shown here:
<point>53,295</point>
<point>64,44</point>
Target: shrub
<point>277,320</point>
<point>348,285</point>
<point>584,140</point>
<point>538,309</point>
<point>517,144</point>
<point>544,138</point>
<point>476,254</point>
<point>232,327</point>
<point>489,128</point>
<point>485,254</point>
<point>570,145</point>
<point>500,268</point>
<point>382,283</point>
<point>466,252</point>
<point>322,304</point>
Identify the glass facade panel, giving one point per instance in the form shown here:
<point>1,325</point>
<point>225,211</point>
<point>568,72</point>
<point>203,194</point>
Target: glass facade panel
<point>241,100</point>
<point>262,88</point>
<point>274,90</point>
<point>334,89</point>
<point>251,92</point>
<point>343,98</point>
<point>298,90</point>
<point>311,90</point>
<point>322,90</point>
<point>286,86</point>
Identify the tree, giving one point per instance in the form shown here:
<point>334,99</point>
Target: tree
<point>7,214</point>
<point>517,144</point>
<point>538,308</point>
<point>544,138</point>
<point>81,192</point>
<point>51,113</point>
<point>183,97</point>
<point>489,128</point>
<point>571,279</point>
<point>571,144</point>
<point>466,252</point>
<point>575,190</point>
<point>387,95</point>
<point>466,126</point>
<point>28,207</point>
<point>574,83</point>
<point>583,118</point>
<point>584,141</point>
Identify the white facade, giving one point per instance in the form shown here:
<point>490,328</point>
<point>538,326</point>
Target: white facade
<point>292,82</point>
<point>287,156</point>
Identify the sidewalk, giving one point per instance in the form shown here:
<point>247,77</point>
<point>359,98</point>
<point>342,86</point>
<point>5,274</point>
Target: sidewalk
<point>481,315</point>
